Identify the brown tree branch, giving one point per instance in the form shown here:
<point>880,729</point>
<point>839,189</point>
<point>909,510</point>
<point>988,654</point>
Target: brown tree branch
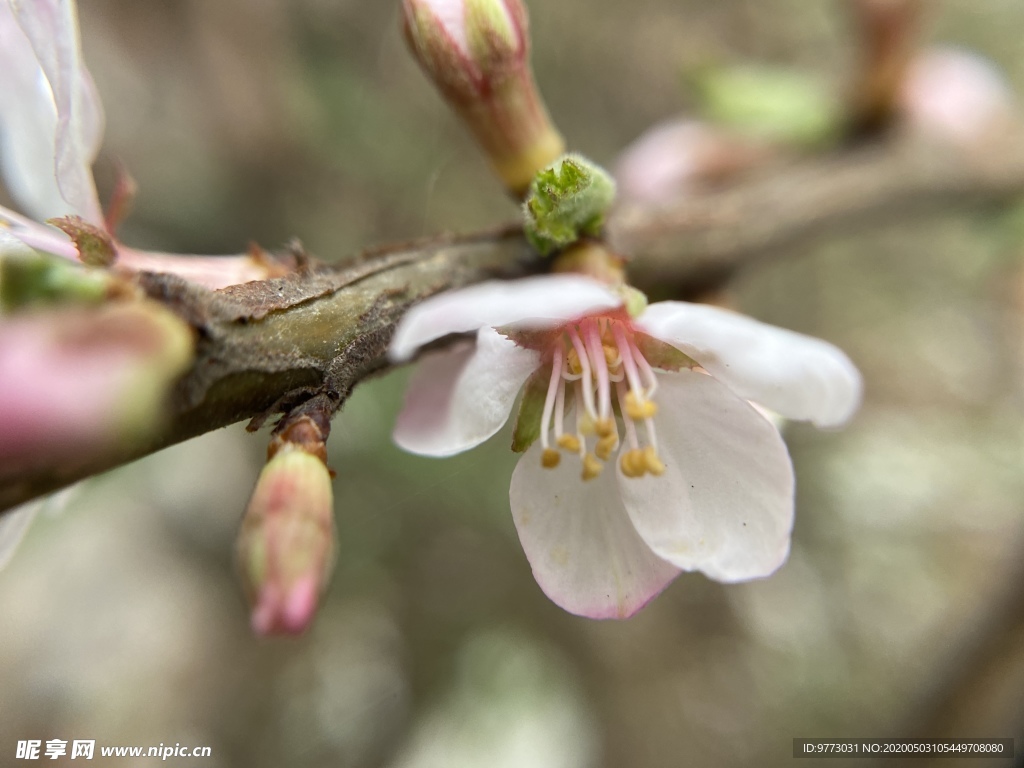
<point>268,347</point>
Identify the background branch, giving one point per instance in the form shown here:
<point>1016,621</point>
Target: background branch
<point>267,347</point>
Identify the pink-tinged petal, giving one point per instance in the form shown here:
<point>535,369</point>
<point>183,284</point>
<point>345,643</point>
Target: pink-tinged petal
<point>583,549</point>
<point>724,505</point>
<point>460,397</point>
<point>18,229</point>
<point>51,27</point>
<point>956,95</point>
<point>13,527</point>
<point>213,272</point>
<point>452,15</point>
<point>797,376</point>
<point>533,303</point>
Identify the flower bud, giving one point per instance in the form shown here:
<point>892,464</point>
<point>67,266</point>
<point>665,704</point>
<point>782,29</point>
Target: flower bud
<point>286,545</point>
<point>78,380</point>
<point>477,54</point>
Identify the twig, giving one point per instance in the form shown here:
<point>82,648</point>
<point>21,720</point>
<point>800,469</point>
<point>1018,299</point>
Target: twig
<point>268,347</point>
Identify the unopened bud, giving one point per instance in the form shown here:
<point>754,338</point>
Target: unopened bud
<point>286,545</point>
<point>477,54</point>
<point>81,380</point>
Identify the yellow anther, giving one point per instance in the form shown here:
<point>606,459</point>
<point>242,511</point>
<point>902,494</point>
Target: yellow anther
<point>605,446</point>
<point>652,463</point>
<point>591,467</point>
<point>572,360</point>
<point>638,409</point>
<point>605,427</point>
<point>569,443</point>
<point>586,426</point>
<point>630,466</point>
<point>550,458</point>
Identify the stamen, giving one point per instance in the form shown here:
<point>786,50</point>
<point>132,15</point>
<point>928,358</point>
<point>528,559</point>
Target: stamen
<point>628,364</point>
<point>560,407</point>
<point>631,436</point>
<point>638,409</point>
<point>549,458</point>
<point>632,463</point>
<point>652,463</point>
<point>588,381</point>
<point>600,363</point>
<point>591,467</point>
<point>569,443</point>
<point>554,389</point>
<point>645,369</point>
<point>581,427</point>
<point>605,446</point>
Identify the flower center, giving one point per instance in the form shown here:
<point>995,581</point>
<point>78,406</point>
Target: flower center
<point>598,362</point>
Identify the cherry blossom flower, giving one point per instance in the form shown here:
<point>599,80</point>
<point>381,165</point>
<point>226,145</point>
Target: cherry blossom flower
<point>51,127</point>
<point>645,457</point>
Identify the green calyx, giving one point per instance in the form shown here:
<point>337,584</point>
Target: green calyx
<point>567,201</point>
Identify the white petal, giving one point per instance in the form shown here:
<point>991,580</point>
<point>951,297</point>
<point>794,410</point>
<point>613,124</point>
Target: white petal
<point>798,376</point>
<point>28,123</point>
<point>530,303</point>
<point>52,118</point>
<point>13,527</point>
<point>585,553</point>
<point>725,503</point>
<point>460,397</point>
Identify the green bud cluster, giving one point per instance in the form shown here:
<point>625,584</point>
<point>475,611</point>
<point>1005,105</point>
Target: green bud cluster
<point>567,201</point>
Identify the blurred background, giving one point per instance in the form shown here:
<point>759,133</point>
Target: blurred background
<point>899,612</point>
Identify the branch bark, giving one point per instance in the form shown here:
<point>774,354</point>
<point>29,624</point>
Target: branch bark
<point>270,346</point>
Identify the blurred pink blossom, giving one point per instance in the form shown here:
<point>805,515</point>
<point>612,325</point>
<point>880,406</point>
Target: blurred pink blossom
<point>677,156</point>
<point>956,95</point>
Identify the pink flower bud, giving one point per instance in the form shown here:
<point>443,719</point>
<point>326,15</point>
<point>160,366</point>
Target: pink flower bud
<point>676,157</point>
<point>77,380</point>
<point>286,545</point>
<point>477,54</point>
